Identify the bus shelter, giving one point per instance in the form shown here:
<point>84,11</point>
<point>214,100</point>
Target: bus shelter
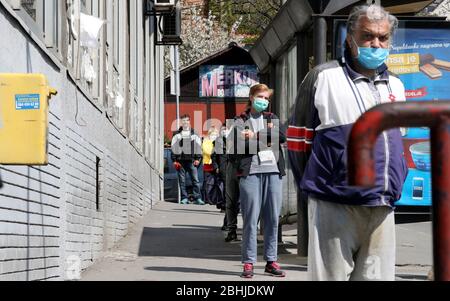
<point>307,33</point>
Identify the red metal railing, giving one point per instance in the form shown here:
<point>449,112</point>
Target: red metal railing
<point>435,115</point>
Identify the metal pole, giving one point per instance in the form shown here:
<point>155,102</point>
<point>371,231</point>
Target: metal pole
<point>440,145</point>
<point>177,82</point>
<point>302,226</point>
<point>176,66</point>
<point>303,55</point>
<point>320,40</point>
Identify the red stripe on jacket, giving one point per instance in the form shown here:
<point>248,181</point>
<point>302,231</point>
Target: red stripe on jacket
<point>299,146</point>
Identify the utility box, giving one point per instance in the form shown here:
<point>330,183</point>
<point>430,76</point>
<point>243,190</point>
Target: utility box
<point>24,100</point>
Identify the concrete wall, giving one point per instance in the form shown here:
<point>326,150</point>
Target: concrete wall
<point>50,213</point>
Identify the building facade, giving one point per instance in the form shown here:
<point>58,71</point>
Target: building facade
<point>105,168</point>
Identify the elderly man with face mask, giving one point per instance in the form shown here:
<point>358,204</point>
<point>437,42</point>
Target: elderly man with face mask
<point>352,229</point>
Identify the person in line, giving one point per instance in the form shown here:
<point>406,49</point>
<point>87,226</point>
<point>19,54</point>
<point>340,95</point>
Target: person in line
<point>261,167</point>
<point>187,156</point>
<point>220,156</point>
<point>212,185</point>
<point>229,170</point>
<point>352,229</point>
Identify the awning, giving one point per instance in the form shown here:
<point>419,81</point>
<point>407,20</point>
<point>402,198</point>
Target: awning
<point>293,17</point>
<point>296,16</point>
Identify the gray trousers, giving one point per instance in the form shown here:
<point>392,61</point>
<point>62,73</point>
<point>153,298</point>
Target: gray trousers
<point>350,242</point>
<point>232,196</point>
<point>260,195</point>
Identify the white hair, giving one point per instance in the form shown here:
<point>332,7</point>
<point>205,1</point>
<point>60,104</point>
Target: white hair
<point>374,13</point>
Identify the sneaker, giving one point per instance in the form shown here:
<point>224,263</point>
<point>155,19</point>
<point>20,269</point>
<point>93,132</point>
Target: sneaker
<point>185,201</point>
<point>224,228</point>
<point>199,202</point>
<point>248,271</point>
<point>232,236</point>
<point>274,269</point>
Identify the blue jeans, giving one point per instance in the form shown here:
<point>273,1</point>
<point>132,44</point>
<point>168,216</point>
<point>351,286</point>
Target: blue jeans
<point>188,167</point>
<point>260,195</point>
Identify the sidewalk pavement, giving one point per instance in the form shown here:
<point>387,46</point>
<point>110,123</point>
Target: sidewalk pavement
<point>185,243</point>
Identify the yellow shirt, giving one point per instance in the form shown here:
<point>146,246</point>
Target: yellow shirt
<point>208,150</point>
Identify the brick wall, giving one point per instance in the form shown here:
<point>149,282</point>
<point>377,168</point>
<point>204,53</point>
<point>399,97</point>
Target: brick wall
<point>30,217</point>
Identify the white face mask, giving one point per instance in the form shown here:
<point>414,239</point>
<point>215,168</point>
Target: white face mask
<point>213,137</point>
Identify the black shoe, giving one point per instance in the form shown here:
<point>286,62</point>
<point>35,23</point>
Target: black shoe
<point>232,236</point>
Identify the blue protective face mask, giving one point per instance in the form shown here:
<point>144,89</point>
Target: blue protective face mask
<point>260,104</point>
<point>371,58</point>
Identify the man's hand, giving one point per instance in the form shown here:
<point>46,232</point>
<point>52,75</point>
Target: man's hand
<point>196,163</point>
<point>177,166</point>
<point>270,125</point>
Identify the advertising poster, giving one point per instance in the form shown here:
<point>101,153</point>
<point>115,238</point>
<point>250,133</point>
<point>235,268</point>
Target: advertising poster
<point>227,81</point>
<point>420,56</point>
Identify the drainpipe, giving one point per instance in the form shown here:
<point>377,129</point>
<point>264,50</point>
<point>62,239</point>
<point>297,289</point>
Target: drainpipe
<point>435,115</point>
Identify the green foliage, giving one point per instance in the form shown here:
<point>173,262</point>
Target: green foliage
<point>255,15</point>
<point>211,26</point>
<point>250,40</point>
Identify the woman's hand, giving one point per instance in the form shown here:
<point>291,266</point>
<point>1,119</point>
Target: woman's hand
<point>247,134</point>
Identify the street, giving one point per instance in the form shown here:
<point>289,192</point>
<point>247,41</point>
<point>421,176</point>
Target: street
<point>184,243</point>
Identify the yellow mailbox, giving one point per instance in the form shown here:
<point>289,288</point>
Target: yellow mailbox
<point>24,119</point>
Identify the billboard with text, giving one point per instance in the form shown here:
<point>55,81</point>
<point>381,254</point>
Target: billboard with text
<point>221,81</point>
